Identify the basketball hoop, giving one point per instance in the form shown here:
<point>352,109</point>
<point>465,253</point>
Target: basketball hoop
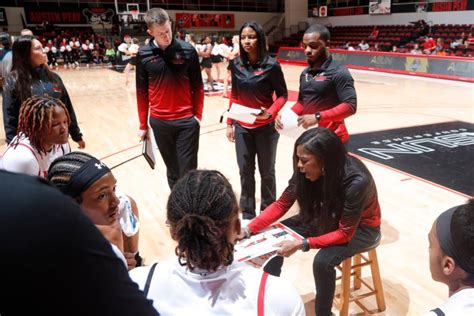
<point>135,14</point>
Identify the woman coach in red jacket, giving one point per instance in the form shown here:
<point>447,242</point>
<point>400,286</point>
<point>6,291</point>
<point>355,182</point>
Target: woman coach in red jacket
<point>339,210</point>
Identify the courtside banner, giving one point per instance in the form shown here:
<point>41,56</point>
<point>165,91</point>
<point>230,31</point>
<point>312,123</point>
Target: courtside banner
<point>453,68</point>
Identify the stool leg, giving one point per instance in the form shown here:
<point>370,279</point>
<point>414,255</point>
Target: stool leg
<point>374,267</point>
<point>358,272</point>
<point>345,287</point>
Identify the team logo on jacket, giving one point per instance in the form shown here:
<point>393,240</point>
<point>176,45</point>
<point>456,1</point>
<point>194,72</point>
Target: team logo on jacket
<point>178,59</point>
<point>56,88</point>
<point>320,77</point>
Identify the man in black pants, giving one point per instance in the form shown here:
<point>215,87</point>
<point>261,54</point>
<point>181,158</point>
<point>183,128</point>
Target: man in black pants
<point>326,95</point>
<point>170,88</point>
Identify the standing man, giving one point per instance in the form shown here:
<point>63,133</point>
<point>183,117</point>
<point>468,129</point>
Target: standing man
<point>170,88</point>
<point>327,94</point>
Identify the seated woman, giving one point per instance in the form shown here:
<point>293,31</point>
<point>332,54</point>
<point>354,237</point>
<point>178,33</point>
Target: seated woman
<point>339,210</point>
<point>43,131</point>
<point>91,183</point>
<point>203,215</point>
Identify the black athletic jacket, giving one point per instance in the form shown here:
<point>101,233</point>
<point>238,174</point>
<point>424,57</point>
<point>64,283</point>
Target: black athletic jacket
<point>42,85</point>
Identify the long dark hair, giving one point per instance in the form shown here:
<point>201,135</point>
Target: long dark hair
<point>261,40</point>
<point>199,210</point>
<point>321,202</point>
<point>22,68</point>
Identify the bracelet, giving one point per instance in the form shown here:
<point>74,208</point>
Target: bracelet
<point>305,247</point>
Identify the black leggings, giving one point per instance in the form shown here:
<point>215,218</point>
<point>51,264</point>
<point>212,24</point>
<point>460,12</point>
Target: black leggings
<point>326,260</point>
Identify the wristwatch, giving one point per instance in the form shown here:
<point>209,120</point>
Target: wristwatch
<point>318,116</point>
<point>305,247</point>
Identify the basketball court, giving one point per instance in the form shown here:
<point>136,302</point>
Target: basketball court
<point>390,109</point>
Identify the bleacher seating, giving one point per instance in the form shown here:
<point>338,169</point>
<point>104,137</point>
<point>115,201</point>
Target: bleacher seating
<point>402,36</point>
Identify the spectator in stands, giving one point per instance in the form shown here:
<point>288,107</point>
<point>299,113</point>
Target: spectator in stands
<point>429,46</point>
<point>57,259</point>
<point>470,39</point>
<point>451,251</point>
<point>439,46</point>
<point>109,53</point>
<point>363,45</point>
<point>204,275</point>
<point>376,48</point>
<point>459,40</point>
<point>347,46</point>
<point>395,49</point>
<point>30,76</point>
<point>6,57</point>
<point>375,33</point>
<point>416,50</point>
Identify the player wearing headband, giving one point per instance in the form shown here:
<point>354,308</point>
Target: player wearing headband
<point>91,183</point>
<point>452,258</point>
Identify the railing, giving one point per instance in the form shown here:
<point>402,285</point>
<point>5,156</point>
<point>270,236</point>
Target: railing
<point>441,67</point>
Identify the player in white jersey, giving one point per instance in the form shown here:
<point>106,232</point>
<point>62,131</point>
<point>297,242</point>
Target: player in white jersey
<point>43,131</point>
<point>203,215</point>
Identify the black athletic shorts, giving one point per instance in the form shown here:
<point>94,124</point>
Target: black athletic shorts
<point>206,63</point>
<point>216,59</point>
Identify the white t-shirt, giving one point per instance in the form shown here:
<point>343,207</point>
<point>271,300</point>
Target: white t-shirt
<point>460,303</point>
<point>133,49</point>
<point>123,47</point>
<point>232,290</point>
<point>119,254</point>
<point>24,158</point>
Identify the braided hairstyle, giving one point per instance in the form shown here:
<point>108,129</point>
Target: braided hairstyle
<point>200,209</point>
<point>63,168</point>
<point>36,115</point>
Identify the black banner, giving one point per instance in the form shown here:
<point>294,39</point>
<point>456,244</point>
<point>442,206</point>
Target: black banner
<point>441,153</point>
<point>3,17</point>
<point>421,64</point>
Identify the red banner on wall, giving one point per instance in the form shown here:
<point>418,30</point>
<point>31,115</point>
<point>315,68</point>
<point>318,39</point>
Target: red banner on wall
<point>456,5</point>
<point>204,20</point>
<point>37,16</point>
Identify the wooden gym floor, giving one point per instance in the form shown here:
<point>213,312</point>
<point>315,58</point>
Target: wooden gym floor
<point>106,111</point>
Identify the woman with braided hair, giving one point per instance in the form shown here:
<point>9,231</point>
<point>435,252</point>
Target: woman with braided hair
<point>93,186</point>
<point>203,215</point>
<point>29,77</point>
<point>43,131</point>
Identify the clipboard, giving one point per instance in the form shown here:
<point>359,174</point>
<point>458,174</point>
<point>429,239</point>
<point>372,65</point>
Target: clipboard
<point>149,148</point>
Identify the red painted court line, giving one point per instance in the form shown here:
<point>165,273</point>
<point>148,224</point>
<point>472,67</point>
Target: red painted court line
<point>120,151</point>
<point>412,176</point>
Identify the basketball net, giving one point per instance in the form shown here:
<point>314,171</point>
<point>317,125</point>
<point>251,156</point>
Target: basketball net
<point>135,14</point>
